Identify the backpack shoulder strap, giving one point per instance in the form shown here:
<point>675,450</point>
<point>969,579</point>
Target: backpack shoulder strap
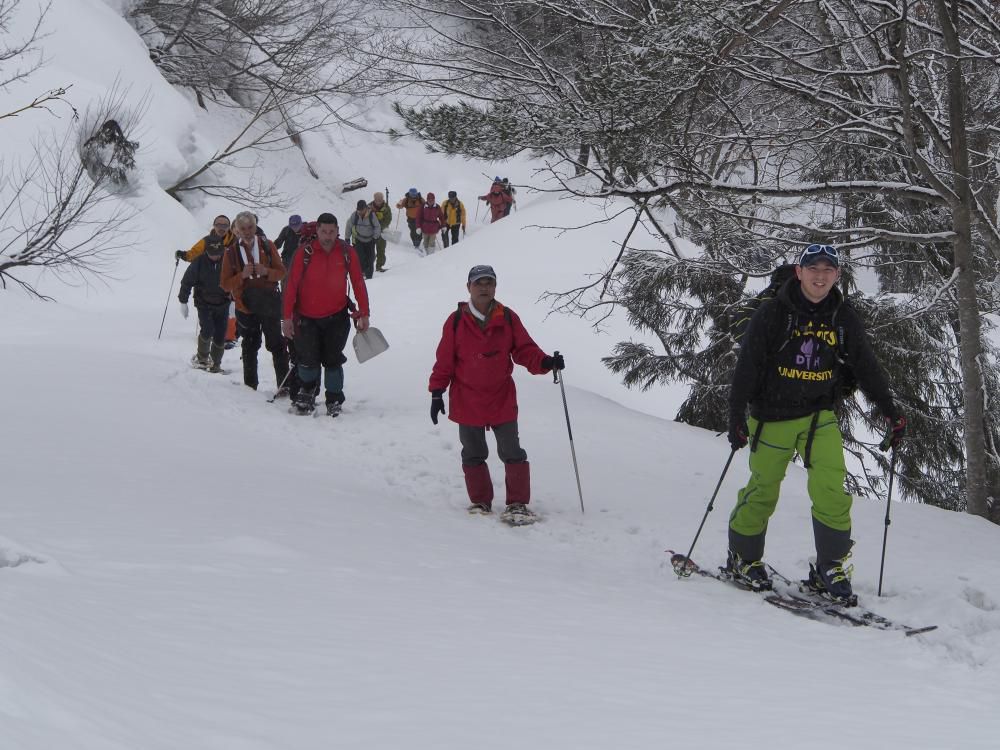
<point>457,317</point>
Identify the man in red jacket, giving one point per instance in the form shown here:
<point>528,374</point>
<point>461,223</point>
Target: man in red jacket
<point>317,312</point>
<point>480,343</point>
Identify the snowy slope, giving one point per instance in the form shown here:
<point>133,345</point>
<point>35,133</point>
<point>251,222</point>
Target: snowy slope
<point>183,565</point>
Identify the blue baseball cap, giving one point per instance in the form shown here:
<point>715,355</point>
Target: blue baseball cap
<point>481,272</point>
<point>413,192</point>
<point>295,221</point>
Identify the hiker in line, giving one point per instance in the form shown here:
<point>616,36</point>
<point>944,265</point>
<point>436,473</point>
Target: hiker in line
<point>431,223</point>
<point>480,343</point>
<point>383,213</point>
<point>317,312</point>
<point>412,202</point>
<point>790,370</point>
<point>361,231</point>
<point>510,191</point>
<point>497,200</point>
<point>251,270</point>
<point>454,217</point>
<point>220,231</point>
<point>288,239</point>
<point>212,303</point>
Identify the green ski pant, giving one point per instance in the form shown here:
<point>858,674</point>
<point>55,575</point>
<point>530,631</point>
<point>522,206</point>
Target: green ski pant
<point>379,253</point>
<point>776,444</point>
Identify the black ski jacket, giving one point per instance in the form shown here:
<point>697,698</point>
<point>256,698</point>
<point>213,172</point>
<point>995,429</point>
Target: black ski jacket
<point>203,276</point>
<point>790,365</point>
<point>288,243</point>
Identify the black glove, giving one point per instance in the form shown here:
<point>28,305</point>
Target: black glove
<point>554,363</point>
<point>180,255</point>
<point>895,428</point>
<point>437,405</point>
<point>739,433</point>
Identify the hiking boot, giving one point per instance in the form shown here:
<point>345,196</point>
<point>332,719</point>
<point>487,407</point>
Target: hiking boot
<point>751,575</point>
<point>200,359</point>
<point>480,509</point>
<point>217,352</point>
<point>518,514</point>
<point>833,580</point>
<point>304,403</point>
<point>333,409</point>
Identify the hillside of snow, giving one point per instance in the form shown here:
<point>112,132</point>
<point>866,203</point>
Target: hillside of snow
<point>184,565</point>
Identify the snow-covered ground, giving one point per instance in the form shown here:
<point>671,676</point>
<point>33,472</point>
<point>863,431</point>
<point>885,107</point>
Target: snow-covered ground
<point>183,565</point>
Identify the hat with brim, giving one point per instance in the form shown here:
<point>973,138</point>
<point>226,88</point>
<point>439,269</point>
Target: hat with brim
<point>481,272</point>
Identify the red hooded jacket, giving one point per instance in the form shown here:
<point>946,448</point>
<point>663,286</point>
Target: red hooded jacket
<point>475,366</point>
<point>431,218</point>
<point>498,201</point>
<point>321,289</point>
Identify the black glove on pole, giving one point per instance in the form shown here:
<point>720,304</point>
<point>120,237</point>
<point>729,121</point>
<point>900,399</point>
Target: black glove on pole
<point>169,292</point>
<point>682,569</point>
<point>557,377</point>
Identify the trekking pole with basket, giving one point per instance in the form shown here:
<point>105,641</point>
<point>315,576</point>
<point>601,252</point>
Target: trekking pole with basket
<point>887,443</point>
<point>177,262</point>
<point>683,570</point>
<point>557,377</point>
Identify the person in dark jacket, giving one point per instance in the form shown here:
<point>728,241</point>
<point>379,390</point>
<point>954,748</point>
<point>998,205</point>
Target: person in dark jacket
<point>211,301</point>
<point>480,344</point>
<point>788,373</point>
<point>288,239</point>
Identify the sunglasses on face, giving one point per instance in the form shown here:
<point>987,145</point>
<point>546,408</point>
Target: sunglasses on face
<point>820,251</point>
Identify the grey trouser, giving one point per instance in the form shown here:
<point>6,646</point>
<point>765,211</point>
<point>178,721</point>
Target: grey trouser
<point>475,451</point>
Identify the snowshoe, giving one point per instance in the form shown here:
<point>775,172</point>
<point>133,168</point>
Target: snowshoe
<point>480,509</point>
<point>303,405</point>
<point>333,409</point>
<point>200,364</point>
<point>517,514</point>
<point>749,575</point>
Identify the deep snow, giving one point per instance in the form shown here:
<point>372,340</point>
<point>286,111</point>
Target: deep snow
<point>183,565</point>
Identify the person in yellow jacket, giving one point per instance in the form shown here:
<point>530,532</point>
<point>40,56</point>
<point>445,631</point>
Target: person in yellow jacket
<point>220,235</point>
<point>454,216</point>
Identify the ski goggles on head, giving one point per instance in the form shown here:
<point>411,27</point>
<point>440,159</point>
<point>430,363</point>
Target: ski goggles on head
<point>814,253</point>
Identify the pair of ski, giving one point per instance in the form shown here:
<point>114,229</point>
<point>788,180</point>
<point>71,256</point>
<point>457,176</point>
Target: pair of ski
<point>523,518</point>
<point>792,597</point>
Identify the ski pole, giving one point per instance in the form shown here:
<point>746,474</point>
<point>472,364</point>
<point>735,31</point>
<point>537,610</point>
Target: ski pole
<point>177,262</point>
<point>557,378</point>
<point>477,211</point>
<point>282,384</point>
<point>685,571</point>
<point>888,505</point>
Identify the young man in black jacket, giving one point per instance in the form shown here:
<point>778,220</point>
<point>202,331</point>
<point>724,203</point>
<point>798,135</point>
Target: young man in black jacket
<point>789,372</point>
<point>212,303</point>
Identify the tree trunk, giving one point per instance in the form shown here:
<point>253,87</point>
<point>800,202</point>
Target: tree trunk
<point>970,346</point>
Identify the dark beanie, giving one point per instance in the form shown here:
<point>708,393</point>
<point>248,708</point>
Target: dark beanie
<point>362,205</point>
<point>326,218</point>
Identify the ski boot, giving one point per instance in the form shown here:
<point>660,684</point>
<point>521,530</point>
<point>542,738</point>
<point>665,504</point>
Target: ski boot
<point>832,580</point>
<point>748,575</point>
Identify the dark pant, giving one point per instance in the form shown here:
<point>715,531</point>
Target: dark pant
<point>252,329</point>
<point>366,254</point>
<point>321,342</point>
<point>476,451</point>
<point>414,235</point>
<point>212,320</point>
<point>453,231</point>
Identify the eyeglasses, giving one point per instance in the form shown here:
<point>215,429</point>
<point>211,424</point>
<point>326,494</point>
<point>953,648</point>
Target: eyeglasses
<point>828,251</point>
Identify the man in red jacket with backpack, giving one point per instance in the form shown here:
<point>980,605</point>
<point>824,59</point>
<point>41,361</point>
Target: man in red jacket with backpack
<point>480,343</point>
<point>317,312</point>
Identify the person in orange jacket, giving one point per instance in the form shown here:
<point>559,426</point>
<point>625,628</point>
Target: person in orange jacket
<point>413,202</point>
<point>251,261</point>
